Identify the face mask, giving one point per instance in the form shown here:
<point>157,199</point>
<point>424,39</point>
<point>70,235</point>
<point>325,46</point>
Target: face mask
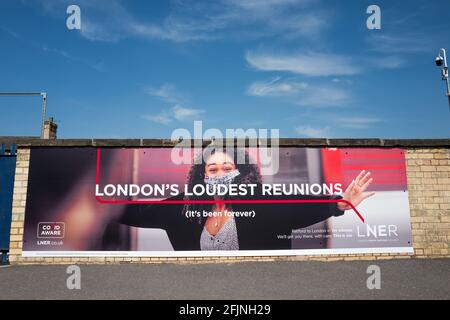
<point>226,180</point>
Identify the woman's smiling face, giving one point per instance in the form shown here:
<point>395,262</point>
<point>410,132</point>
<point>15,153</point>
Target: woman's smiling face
<point>219,164</point>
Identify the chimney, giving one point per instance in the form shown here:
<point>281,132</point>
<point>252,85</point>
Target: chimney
<point>50,128</point>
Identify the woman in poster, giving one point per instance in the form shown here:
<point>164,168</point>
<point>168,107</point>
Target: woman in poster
<point>268,229</point>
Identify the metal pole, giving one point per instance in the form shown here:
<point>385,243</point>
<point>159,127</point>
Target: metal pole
<point>445,74</point>
<point>448,89</point>
<point>44,107</point>
<point>29,94</point>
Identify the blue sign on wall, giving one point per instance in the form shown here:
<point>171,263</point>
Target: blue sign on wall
<point>7,170</point>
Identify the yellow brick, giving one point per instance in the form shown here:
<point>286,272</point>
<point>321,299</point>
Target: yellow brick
<point>429,181</point>
<point>18,210</point>
<point>19,170</point>
<point>442,155</point>
<point>431,206</point>
<point>14,237</point>
<point>22,163</point>
<point>15,251</point>
<point>430,194</point>
<point>425,156</point>
<point>23,156</point>
<point>16,203</point>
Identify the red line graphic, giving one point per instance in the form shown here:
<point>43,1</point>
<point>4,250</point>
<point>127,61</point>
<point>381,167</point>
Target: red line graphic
<point>97,181</point>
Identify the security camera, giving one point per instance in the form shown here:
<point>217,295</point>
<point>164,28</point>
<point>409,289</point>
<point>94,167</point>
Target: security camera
<point>439,61</point>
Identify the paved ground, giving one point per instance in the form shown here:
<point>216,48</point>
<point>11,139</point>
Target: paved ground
<point>400,279</point>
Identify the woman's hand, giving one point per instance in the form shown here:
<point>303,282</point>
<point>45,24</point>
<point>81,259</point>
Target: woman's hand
<point>355,192</point>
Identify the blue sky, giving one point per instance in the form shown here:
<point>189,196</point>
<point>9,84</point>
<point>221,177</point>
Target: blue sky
<point>311,68</point>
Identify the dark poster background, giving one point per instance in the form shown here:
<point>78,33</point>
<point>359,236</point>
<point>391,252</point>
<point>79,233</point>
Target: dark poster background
<point>62,189</point>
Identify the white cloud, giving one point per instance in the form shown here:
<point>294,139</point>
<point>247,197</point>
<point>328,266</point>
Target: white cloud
<point>178,113</point>
<point>181,113</point>
<point>312,132</point>
<point>111,21</point>
<point>95,31</point>
<point>356,122</point>
<point>323,96</point>
<point>167,92</point>
<point>400,43</point>
<point>97,66</point>
<point>284,18</point>
<point>162,118</point>
<point>340,80</point>
<point>396,47</point>
<point>301,93</point>
<point>264,5</point>
<point>275,87</point>
<point>308,64</point>
<point>318,130</point>
<point>390,62</point>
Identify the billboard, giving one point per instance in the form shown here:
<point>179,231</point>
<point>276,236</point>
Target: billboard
<point>146,202</point>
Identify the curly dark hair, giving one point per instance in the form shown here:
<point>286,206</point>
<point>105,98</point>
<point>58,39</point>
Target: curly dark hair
<point>249,173</point>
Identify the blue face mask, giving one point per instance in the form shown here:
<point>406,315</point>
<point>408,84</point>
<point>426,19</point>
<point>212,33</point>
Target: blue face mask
<point>225,180</point>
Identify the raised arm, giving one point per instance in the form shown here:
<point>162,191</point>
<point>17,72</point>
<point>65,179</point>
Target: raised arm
<point>299,214</point>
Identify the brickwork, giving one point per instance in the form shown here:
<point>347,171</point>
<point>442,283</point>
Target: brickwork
<point>19,202</point>
<point>428,172</point>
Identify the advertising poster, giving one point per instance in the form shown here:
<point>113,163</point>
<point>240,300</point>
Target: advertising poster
<point>216,202</point>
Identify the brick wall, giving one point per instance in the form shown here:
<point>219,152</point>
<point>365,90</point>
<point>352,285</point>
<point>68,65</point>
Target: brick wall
<point>19,201</point>
<point>429,196</point>
<point>428,172</point>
